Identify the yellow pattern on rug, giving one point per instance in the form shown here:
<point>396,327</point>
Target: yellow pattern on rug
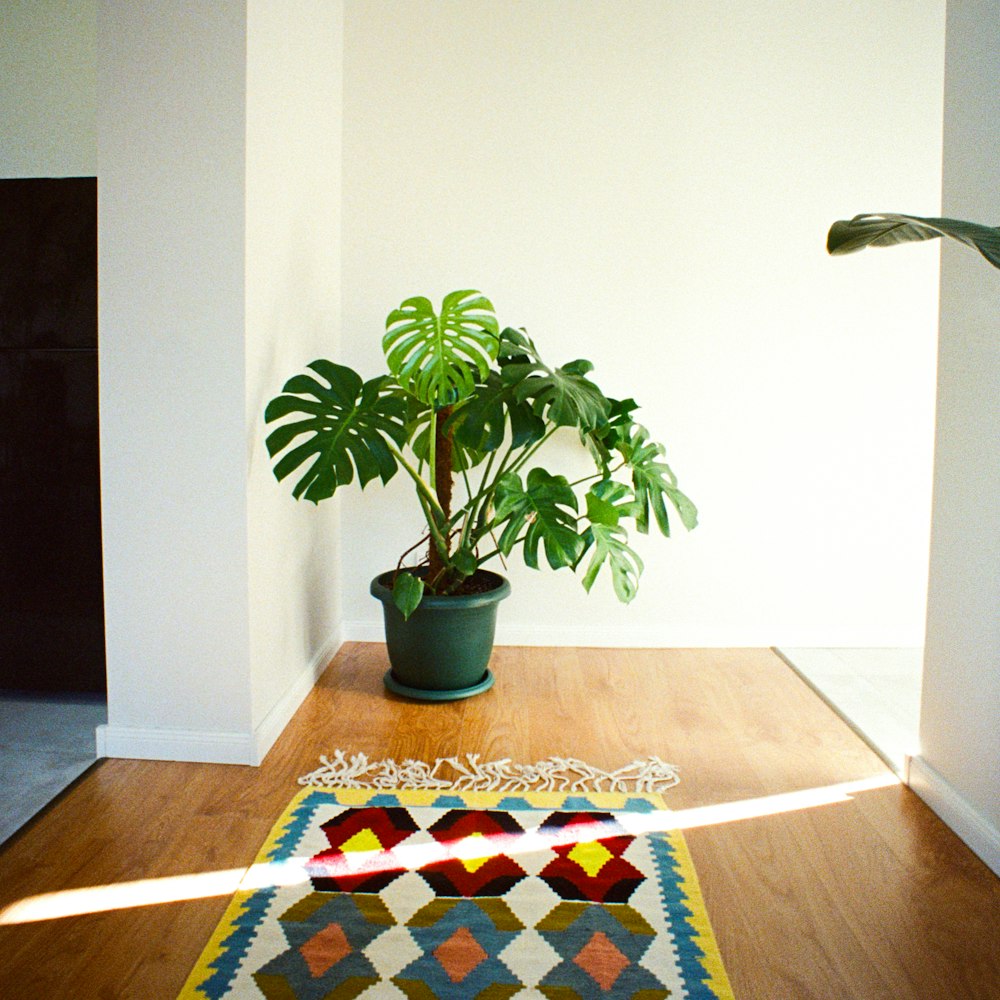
<point>379,893</point>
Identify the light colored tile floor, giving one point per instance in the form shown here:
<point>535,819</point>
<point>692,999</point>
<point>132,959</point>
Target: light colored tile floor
<point>45,744</point>
<point>876,691</point>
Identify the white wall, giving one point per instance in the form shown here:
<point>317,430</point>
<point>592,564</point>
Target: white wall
<point>219,150</point>
<point>650,187</point>
<point>294,79</point>
<point>219,173</point>
<point>172,126</point>
<point>48,88</point>
<point>958,771</point>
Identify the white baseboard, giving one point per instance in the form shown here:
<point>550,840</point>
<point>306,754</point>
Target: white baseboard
<point>213,747</point>
<point>978,834</point>
<point>670,636</point>
<point>273,725</point>
<point>138,743</point>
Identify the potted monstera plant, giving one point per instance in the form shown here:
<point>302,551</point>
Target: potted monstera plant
<point>465,412</point>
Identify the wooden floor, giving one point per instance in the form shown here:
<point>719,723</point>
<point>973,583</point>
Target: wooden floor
<point>865,898</point>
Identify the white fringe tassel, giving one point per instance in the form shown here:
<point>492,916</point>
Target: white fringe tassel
<point>554,774</point>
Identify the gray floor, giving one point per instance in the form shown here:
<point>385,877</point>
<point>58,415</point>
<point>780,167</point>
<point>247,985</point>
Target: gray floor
<point>45,744</point>
<point>876,691</point>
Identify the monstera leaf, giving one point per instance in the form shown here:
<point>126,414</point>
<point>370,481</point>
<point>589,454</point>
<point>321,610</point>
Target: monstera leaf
<point>608,502</point>
<point>653,480</point>
<point>346,425</point>
<point>610,546</point>
<point>885,230</point>
<point>566,397</point>
<point>439,358</point>
<point>480,422</point>
<point>516,346</point>
<point>547,507</point>
<point>601,440</point>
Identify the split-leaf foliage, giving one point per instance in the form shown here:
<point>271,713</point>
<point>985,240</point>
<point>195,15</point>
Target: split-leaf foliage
<point>467,401</point>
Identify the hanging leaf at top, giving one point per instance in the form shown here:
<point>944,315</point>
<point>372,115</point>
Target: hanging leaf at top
<point>886,230</point>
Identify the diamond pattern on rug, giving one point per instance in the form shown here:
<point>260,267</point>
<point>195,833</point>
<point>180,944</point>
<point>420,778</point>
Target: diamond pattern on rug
<point>461,939</point>
<point>474,841</point>
<point>360,858</point>
<point>471,896</point>
<point>589,863</point>
<point>601,946</point>
<point>327,933</point>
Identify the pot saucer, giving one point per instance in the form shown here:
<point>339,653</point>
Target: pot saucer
<point>428,694</point>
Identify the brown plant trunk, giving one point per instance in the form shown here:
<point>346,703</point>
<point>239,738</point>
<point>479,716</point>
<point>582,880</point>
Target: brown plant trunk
<point>443,474</point>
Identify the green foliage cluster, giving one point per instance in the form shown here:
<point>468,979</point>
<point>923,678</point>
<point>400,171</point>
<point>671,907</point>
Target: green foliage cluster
<point>466,400</point>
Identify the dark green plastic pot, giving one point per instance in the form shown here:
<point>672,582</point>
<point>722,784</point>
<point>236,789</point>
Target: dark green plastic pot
<point>442,652</point>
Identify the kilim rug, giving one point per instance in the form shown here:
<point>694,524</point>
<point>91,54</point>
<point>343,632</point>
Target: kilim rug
<point>434,894</point>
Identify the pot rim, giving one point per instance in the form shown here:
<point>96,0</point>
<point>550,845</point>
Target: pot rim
<point>382,592</point>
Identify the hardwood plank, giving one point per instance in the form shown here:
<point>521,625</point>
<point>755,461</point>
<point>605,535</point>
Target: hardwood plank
<point>868,897</point>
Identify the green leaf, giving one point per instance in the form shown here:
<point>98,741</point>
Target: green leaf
<point>439,358</point>
<point>545,511</point>
<point>407,592</point>
<point>610,546</point>
<point>346,427</point>
<point>884,230</point>
<point>480,422</point>
<point>653,480</point>
<point>605,506</point>
<point>464,562</point>
<point>600,511</point>
<point>603,439</point>
<point>516,346</point>
<point>564,396</point>
<point>684,506</point>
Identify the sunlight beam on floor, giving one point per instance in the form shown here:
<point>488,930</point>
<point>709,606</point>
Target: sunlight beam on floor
<point>772,805</point>
<point>296,871</point>
<point>151,892</point>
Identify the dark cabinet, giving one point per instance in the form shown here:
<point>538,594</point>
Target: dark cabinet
<point>51,590</point>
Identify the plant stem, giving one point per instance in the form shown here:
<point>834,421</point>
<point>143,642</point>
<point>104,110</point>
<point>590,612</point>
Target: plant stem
<point>442,471</point>
<point>497,552</point>
<point>530,452</point>
<point>598,475</point>
<point>473,502</point>
<point>437,543</point>
<point>425,492</point>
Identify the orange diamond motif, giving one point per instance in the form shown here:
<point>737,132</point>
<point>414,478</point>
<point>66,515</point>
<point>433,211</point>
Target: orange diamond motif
<point>325,949</point>
<point>460,954</point>
<point>602,960</point>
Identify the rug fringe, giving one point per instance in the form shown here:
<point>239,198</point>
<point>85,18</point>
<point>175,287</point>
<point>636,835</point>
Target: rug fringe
<point>554,774</point>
